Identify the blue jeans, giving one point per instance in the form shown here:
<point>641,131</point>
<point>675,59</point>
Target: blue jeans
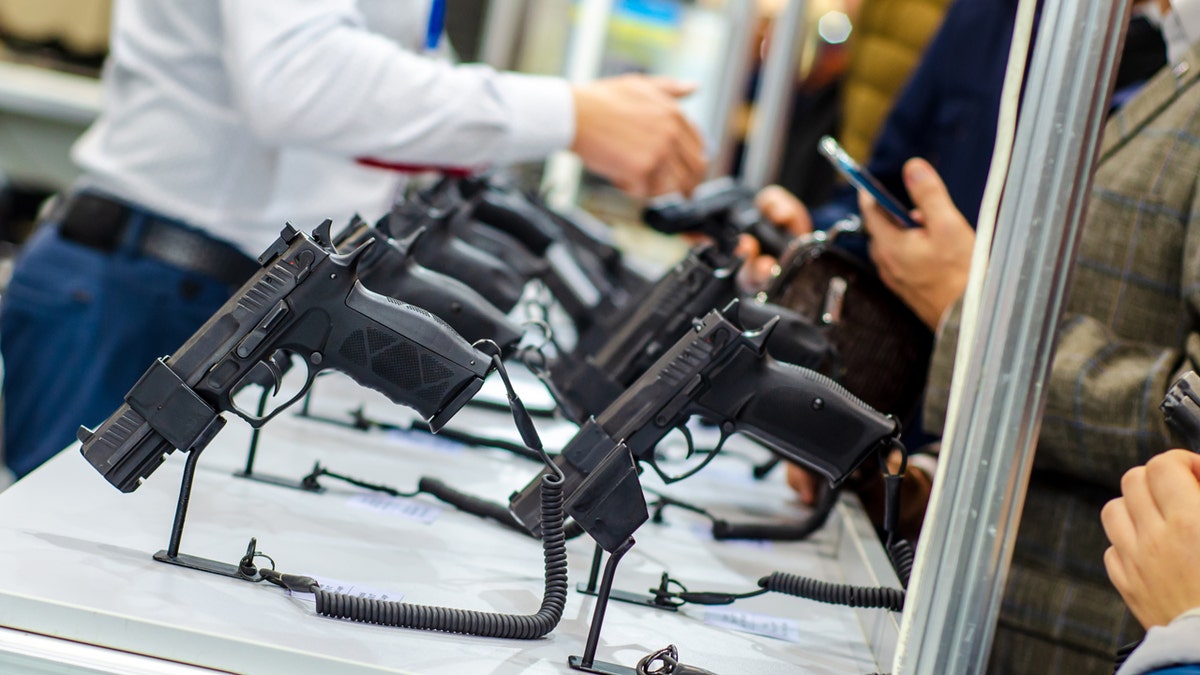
<point>79,326</point>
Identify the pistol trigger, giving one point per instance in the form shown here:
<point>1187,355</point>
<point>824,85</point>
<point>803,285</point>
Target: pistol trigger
<point>267,368</point>
<point>687,435</point>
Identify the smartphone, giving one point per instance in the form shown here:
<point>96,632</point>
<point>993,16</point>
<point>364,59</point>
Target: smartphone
<point>863,180</point>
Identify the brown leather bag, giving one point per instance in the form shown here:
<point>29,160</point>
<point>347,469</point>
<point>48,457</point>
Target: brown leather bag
<point>883,347</point>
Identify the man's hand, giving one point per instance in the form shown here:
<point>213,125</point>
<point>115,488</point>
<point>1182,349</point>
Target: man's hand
<point>926,266</point>
<point>631,130</point>
<point>1154,560</point>
<point>781,208</point>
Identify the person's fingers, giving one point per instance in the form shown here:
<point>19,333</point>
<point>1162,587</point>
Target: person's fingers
<point>672,175</point>
<point>884,232</point>
<point>748,247</point>
<point>782,208</point>
<point>803,483</point>
<point>1172,484</point>
<point>1138,502</point>
<point>674,88</point>
<point>690,146</point>
<point>758,272</point>
<point>928,192</point>
<point>1117,572</point>
<point>1118,526</point>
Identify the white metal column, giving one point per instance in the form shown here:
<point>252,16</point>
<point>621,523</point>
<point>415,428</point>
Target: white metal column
<point>773,100</point>
<point>966,546</point>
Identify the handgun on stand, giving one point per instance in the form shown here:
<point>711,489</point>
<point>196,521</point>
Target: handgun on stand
<point>390,269</point>
<point>721,209</point>
<point>435,212</point>
<point>306,301</point>
<point>720,372</point>
<point>586,383</point>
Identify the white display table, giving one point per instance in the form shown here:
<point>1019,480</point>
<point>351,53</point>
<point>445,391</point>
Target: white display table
<point>76,564</point>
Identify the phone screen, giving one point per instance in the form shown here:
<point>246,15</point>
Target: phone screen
<point>861,179</point>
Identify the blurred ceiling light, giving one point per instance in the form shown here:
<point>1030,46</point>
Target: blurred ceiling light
<point>834,27</point>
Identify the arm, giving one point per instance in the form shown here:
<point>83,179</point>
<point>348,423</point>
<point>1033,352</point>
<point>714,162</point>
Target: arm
<point>312,74</point>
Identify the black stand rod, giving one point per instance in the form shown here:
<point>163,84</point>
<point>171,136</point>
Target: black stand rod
<point>644,599</point>
<point>262,409</point>
<point>248,472</point>
<point>171,554</point>
<point>181,507</point>
<point>587,662</point>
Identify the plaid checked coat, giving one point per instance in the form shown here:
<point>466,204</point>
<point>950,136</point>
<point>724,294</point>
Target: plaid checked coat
<point>1130,327</point>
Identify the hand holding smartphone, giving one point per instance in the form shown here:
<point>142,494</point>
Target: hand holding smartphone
<point>861,179</point>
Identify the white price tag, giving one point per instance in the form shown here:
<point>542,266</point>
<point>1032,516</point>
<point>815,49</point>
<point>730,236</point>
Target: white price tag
<point>347,588</point>
<point>401,507</point>
<point>758,624</point>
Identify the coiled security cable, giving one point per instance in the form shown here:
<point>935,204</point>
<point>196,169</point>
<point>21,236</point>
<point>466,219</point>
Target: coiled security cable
<point>462,621</point>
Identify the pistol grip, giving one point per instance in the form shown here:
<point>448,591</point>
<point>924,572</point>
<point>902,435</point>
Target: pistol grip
<point>1181,409</point>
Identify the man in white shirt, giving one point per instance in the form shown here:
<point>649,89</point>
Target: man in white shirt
<point>223,120</point>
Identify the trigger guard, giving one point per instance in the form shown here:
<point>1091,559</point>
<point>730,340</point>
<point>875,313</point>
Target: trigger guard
<point>257,421</point>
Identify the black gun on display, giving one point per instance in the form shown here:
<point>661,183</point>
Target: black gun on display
<point>307,301</point>
<point>496,240</point>
<point>389,268</point>
<point>721,209</point>
<point>619,348</point>
<point>720,372</point>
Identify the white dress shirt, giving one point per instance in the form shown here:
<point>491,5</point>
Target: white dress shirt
<point>239,115</point>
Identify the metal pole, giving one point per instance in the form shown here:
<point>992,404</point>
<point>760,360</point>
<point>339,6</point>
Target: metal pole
<point>501,25</point>
<point>773,100</point>
<point>560,182</point>
<point>966,545</point>
<point>740,16</point>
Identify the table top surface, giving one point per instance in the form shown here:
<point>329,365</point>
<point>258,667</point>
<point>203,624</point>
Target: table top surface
<point>77,562</point>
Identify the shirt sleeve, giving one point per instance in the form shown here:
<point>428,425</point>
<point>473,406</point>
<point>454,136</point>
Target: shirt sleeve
<point>1165,646</point>
<point>310,73</point>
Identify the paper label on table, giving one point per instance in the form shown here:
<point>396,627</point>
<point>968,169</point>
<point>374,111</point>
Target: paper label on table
<point>402,507</point>
<point>347,588</point>
<point>758,624</point>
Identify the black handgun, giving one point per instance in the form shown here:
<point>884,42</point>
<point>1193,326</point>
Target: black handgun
<point>390,269</point>
<point>721,209</point>
<point>584,384</point>
<point>511,224</point>
<point>722,373</point>
<point>441,250</point>
<point>307,301</point>
<point>1181,409</point>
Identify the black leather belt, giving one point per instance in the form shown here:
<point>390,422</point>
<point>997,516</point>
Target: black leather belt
<point>102,223</point>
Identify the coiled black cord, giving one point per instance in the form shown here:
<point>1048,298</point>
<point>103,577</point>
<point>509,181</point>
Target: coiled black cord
<point>472,622</point>
<point>463,621</point>
<point>834,594</point>
<point>484,508</point>
<point>725,530</point>
<point>901,553</point>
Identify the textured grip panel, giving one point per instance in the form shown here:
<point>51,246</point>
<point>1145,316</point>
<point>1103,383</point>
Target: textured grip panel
<point>399,362</point>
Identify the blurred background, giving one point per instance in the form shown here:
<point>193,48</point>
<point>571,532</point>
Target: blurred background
<point>51,52</point>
